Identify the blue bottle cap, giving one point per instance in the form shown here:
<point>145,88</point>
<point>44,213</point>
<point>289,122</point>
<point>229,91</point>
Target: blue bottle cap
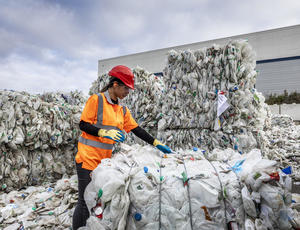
<point>195,149</point>
<point>287,170</point>
<point>137,216</point>
<point>145,169</point>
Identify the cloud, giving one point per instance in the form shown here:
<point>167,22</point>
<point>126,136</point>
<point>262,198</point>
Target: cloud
<point>39,24</point>
<point>27,75</point>
<point>50,45</point>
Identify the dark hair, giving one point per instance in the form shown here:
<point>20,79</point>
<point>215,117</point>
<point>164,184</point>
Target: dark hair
<point>110,84</point>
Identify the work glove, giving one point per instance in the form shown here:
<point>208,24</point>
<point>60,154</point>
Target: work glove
<point>161,147</point>
<point>115,135</point>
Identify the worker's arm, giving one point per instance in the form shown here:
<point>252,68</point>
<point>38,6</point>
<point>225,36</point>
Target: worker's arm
<point>88,128</point>
<point>145,136</point>
<point>141,133</point>
<point>112,134</point>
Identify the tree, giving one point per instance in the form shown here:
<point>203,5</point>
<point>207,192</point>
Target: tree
<point>286,98</point>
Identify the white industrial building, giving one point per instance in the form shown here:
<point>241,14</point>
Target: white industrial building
<point>277,50</point>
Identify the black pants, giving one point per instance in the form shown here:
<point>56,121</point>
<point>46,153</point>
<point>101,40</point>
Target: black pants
<point>81,212</point>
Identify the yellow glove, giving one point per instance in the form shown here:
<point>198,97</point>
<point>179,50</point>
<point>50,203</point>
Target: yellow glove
<point>112,134</point>
<point>161,147</point>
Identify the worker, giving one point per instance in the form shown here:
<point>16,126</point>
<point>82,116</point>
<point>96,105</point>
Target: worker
<point>102,123</point>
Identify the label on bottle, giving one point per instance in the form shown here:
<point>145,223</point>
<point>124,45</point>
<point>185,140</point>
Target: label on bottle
<point>98,210</point>
<point>233,226</point>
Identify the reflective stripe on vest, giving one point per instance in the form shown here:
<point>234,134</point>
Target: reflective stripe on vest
<point>96,144</point>
<point>99,123</point>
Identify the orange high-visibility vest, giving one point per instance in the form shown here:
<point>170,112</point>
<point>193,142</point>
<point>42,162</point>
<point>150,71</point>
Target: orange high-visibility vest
<point>104,114</point>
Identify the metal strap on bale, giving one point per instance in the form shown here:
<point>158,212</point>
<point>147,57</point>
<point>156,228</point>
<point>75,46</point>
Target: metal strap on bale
<point>222,191</point>
<point>239,181</point>
<point>186,182</point>
<point>160,182</point>
<point>131,166</point>
<point>188,191</point>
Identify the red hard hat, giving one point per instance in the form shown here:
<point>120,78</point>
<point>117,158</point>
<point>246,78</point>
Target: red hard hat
<point>124,74</point>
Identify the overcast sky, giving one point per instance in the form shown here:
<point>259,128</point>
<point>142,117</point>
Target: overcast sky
<point>54,45</point>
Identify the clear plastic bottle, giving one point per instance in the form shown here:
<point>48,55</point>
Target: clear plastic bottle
<point>98,211</point>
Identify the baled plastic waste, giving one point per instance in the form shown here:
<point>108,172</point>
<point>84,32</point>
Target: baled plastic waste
<point>206,98</point>
<point>38,137</point>
<point>189,190</point>
<point>281,142</point>
<point>52,205</point>
<point>40,207</point>
<point>211,98</point>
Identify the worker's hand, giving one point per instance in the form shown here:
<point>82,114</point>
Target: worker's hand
<point>161,147</point>
<point>112,134</point>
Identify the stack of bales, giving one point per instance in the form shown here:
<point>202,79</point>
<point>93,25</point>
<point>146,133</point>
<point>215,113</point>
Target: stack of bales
<point>282,143</point>
<point>194,81</point>
<point>38,139</point>
<point>181,107</point>
<point>64,98</point>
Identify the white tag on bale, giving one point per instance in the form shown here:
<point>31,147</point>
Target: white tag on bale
<point>222,104</point>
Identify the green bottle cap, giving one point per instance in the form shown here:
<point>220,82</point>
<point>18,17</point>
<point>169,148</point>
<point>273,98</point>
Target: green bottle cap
<point>184,177</point>
<point>100,192</point>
